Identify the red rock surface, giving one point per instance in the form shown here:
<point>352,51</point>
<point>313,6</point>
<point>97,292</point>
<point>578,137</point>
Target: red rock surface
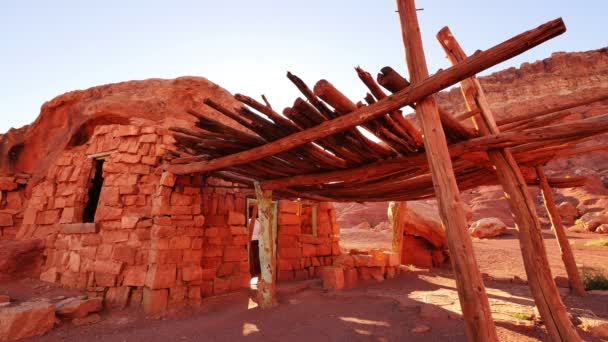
<point>73,116</point>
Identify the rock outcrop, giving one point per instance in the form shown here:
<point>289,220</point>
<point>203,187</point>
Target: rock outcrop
<point>26,320</point>
<point>488,227</point>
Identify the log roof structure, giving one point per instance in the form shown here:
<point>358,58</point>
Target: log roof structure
<point>316,148</point>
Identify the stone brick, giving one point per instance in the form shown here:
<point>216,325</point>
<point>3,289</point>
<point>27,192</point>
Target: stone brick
<point>108,266</point>
<point>236,218</point>
<point>6,220</point>
<point>193,255</point>
<point>194,293</point>
<point>216,220</point>
<point>350,277</point>
<point>220,285</point>
<point>163,232</point>
<point>117,297</point>
<point>48,216</point>
<point>161,276</point>
<point>74,262</point>
<point>199,220</point>
<point>333,278</point>
<point>289,207</point>
<point>128,222</point>
<point>180,242</point>
<point>290,230</point>
<point>49,275</point>
<point>308,250</point>
<point>290,252</point>
<point>178,199</point>
<point>135,275</point>
<point>125,254</point>
<point>285,275</point>
<point>126,130</point>
<point>238,230</point>
<point>106,213</point>
<point>288,220</point>
<point>227,269</point>
<point>235,254</point>
<point>392,259</point>
<point>192,273</point>
<point>324,249</point>
<point>155,301</point>
<point>105,279</point>
<point>166,256</point>
<point>78,228</point>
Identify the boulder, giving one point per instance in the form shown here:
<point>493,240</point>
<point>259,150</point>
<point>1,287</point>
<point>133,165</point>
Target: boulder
<point>416,251</point>
<point>22,257</point>
<point>602,229</point>
<point>487,228</point>
<point>590,221</point>
<point>568,212</point>
<point>363,226</point>
<point>26,320</point>
<point>422,219</point>
<point>78,308</point>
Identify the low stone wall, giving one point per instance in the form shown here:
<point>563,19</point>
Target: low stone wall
<point>301,256</point>
<point>351,270</point>
<point>12,201</point>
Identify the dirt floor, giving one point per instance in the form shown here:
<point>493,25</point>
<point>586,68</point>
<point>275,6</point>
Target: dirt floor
<point>387,311</point>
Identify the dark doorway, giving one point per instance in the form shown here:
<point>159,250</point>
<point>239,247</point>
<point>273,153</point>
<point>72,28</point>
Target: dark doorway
<point>94,192</point>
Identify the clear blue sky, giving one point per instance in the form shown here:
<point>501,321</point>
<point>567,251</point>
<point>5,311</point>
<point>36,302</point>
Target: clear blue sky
<point>50,47</point>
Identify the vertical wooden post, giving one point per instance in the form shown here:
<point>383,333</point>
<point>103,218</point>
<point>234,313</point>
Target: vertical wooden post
<point>471,291</point>
<point>266,283</point>
<point>540,280</point>
<point>396,210</point>
<point>576,284</point>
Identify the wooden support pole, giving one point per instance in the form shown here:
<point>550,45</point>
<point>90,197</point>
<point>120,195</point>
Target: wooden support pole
<point>540,280</point>
<point>268,263</point>
<point>423,88</point>
<point>396,211</point>
<point>576,284</point>
<point>477,316</point>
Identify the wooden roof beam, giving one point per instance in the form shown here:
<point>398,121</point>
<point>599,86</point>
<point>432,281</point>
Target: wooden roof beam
<point>421,89</point>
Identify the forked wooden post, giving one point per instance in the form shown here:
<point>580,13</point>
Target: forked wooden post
<point>471,291</point>
<point>396,210</point>
<point>576,283</point>
<point>540,280</point>
<point>266,283</point>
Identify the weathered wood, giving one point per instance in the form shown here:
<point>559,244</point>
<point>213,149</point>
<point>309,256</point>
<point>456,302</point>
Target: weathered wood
<point>572,130</point>
<point>267,280</point>
<point>395,217</point>
<point>540,280</point>
<point>391,80</point>
<point>476,311</point>
<point>574,277</point>
<point>421,89</point>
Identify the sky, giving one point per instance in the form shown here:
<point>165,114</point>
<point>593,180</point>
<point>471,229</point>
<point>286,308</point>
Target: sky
<point>50,47</point>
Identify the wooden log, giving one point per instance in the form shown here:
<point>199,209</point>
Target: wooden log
<point>476,311</point>
<point>454,129</point>
<point>576,284</point>
<point>267,280</point>
<point>403,127</point>
<point>441,80</point>
<point>573,130</point>
<point>392,80</point>
<point>395,217</point>
<point>540,280</point>
<point>421,89</point>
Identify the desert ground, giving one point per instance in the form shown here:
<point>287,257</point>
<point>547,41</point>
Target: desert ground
<point>417,300</point>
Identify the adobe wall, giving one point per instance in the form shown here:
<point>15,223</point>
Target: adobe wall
<point>114,250</point>
<point>300,255</point>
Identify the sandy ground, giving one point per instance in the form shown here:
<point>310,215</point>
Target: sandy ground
<point>385,311</point>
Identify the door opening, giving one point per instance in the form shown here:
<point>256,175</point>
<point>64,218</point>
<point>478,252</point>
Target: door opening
<point>94,192</point>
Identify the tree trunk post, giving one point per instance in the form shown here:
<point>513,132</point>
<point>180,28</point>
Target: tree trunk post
<point>540,280</point>
<point>396,210</point>
<point>477,316</point>
<point>576,283</point>
<point>266,283</point>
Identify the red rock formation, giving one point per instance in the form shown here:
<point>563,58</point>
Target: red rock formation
<point>71,118</point>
